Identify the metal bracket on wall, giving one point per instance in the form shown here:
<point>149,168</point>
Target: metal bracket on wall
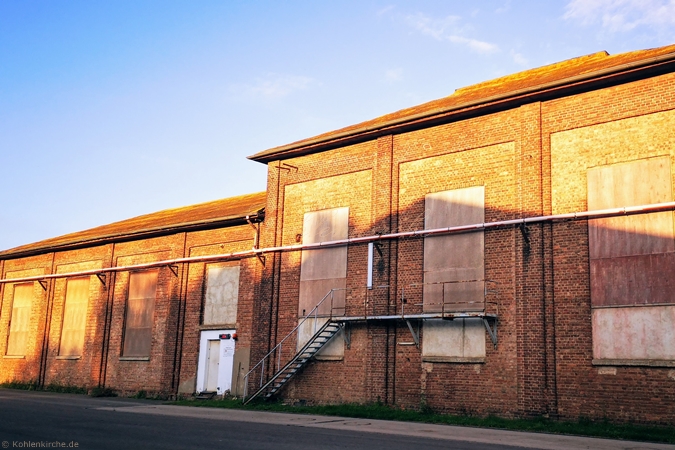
<point>288,167</point>
<point>101,278</point>
<point>347,335</point>
<point>261,258</point>
<point>415,335</point>
<point>174,269</point>
<point>492,330</point>
<point>43,284</point>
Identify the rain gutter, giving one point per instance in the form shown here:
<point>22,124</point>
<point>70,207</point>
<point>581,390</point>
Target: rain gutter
<point>546,91</point>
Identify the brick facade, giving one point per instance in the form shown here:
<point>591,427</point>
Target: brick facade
<point>531,155</point>
<point>171,367</point>
<point>532,160</point>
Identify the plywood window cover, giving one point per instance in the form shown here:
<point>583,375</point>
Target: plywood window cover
<point>631,259</point>
<point>74,322</point>
<point>22,302</point>
<point>139,316</point>
<point>456,341</point>
<point>454,265</point>
<point>224,313</point>
<point>630,254</point>
<point>326,268</point>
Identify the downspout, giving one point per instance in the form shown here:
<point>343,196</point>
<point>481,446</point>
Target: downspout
<point>107,319</point>
<point>276,270</point>
<point>180,321</point>
<point>45,338</point>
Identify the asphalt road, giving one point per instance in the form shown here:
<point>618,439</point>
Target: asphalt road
<point>48,420</point>
<point>39,417</point>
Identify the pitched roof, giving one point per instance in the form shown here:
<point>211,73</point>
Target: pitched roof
<point>224,212</point>
<point>567,72</point>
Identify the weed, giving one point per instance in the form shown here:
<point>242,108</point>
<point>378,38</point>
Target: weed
<point>581,427</point>
<point>102,392</point>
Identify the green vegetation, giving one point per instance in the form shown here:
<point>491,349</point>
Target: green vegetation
<point>22,385</point>
<point>581,427</point>
<point>34,386</point>
<point>102,392</point>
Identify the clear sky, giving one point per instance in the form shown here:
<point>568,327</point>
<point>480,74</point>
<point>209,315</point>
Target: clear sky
<point>113,109</point>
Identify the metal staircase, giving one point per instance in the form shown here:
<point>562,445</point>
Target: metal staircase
<point>300,360</point>
<point>282,369</point>
<point>322,334</point>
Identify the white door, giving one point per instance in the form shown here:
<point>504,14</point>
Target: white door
<point>216,361</point>
<point>212,365</point>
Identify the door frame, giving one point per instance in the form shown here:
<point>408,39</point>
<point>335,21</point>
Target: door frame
<point>224,370</point>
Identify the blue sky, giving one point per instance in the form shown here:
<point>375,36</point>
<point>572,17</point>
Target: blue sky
<point>112,109</point>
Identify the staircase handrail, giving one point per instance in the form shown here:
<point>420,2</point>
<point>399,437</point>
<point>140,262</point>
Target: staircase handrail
<point>292,361</point>
<point>313,312</point>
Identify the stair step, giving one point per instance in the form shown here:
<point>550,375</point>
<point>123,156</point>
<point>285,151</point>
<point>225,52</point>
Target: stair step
<point>205,395</point>
<point>316,343</point>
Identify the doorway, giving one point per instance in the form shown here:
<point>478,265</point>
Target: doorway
<point>216,361</point>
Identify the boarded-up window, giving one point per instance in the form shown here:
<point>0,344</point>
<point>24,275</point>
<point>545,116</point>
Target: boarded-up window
<point>74,317</point>
<point>20,320</point>
<point>632,257</point>
<point>632,260</point>
<point>454,264</point>
<point>324,269</point>
<point>222,293</point>
<point>459,340</point>
<point>454,272</point>
<point>140,312</point>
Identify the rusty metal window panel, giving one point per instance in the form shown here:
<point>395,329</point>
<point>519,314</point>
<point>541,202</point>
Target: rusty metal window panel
<point>140,314</point>
<point>19,327</point>
<point>74,317</point>
<point>222,295</point>
<point>632,257</point>
<point>454,265</point>
<point>324,269</point>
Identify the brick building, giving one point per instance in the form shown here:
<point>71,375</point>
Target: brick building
<point>129,315</point>
<point>505,250</point>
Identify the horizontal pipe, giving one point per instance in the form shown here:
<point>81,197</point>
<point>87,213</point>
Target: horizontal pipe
<point>583,215</point>
<point>423,316</point>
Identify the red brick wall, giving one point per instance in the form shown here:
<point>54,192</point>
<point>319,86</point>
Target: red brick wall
<point>620,392</point>
<point>532,161</point>
<point>29,367</point>
<point>542,365</point>
<point>177,317</point>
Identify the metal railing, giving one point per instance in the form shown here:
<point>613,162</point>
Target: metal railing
<point>450,307</point>
<point>276,353</point>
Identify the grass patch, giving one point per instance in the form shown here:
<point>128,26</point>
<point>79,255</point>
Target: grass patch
<point>102,392</point>
<point>64,389</point>
<point>582,427</point>
<point>21,385</point>
<point>35,386</point>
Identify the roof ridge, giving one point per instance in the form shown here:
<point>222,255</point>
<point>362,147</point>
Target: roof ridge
<point>566,72</point>
<point>206,214</point>
<point>577,59</point>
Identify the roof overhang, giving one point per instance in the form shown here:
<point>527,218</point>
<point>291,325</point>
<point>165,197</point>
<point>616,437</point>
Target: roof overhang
<point>623,73</point>
<point>145,233</point>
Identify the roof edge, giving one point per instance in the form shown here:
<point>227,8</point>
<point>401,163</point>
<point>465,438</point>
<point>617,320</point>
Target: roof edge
<point>320,143</point>
<point>144,233</point>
